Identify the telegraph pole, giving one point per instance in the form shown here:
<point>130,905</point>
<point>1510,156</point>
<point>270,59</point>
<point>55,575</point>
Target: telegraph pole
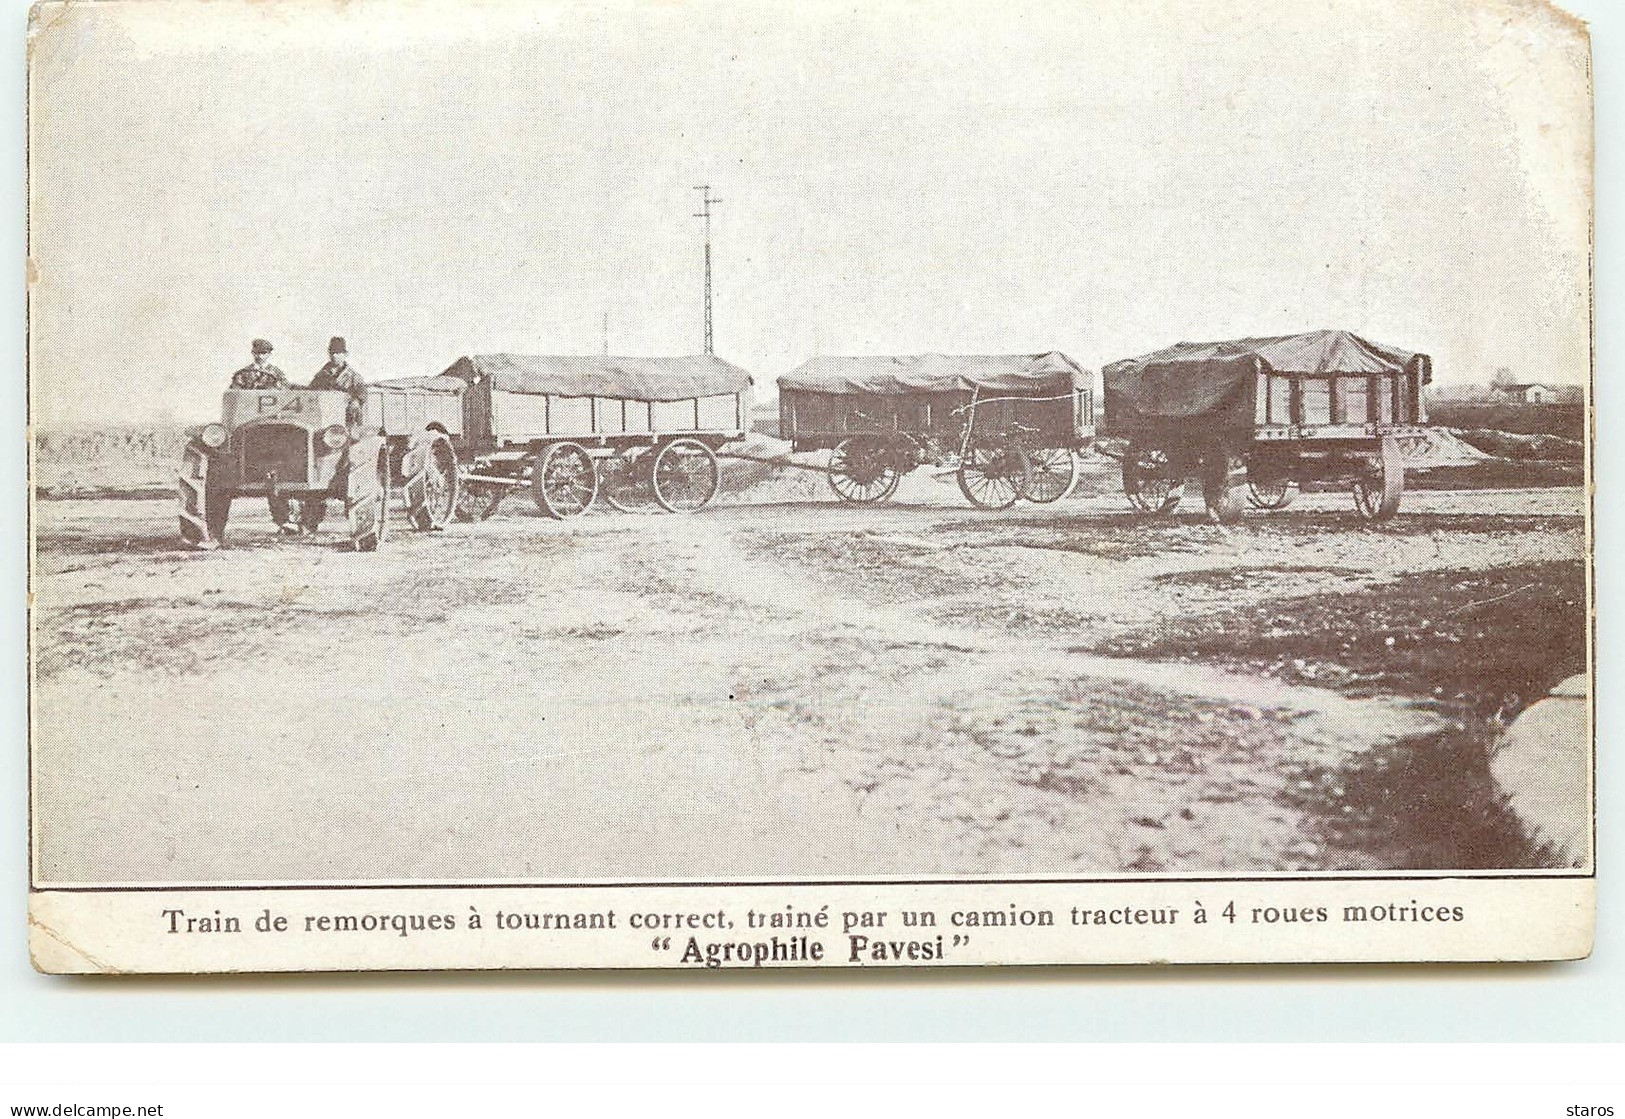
<point>706,202</point>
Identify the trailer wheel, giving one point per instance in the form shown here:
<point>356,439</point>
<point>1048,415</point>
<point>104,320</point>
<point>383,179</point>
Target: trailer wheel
<point>1221,476</point>
<point>685,476</point>
<point>1271,493</point>
<point>1378,487</point>
<point>1055,469</point>
<point>477,501</point>
<point>863,470</point>
<point>366,500</point>
<point>1148,480</point>
<point>626,482</point>
<point>205,501</point>
<point>430,467</point>
<point>994,475</point>
<point>563,482</point>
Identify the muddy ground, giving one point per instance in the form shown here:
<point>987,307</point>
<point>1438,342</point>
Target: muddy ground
<point>785,687</point>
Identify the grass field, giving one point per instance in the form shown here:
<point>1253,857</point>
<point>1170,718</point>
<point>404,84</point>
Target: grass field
<point>1566,420</point>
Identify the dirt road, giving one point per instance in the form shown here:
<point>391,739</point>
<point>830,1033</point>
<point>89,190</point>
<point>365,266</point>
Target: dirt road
<point>794,689</point>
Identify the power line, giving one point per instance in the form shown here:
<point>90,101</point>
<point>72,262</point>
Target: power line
<point>706,202</point>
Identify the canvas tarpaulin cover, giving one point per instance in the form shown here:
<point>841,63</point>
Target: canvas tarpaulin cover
<point>1215,382</point>
<point>422,384</point>
<point>627,378</point>
<point>1051,374</point>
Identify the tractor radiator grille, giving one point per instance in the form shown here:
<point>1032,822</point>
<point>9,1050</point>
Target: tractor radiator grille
<point>279,447</point>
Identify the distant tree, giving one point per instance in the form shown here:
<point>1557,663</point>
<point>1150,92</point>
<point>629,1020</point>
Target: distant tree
<point>1503,378</point>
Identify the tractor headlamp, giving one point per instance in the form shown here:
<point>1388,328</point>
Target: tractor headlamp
<point>213,436</point>
<point>335,438</point>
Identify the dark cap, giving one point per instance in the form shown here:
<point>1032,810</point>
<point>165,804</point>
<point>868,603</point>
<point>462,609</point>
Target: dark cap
<point>261,346</point>
<point>337,346</point>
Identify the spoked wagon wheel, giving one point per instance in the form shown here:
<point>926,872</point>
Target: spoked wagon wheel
<point>366,503</point>
<point>1270,492</point>
<point>431,484</point>
<point>863,470</point>
<point>625,481</point>
<point>1148,480</point>
<point>1054,471</point>
<point>477,501</point>
<point>685,476</point>
<point>1221,475</point>
<point>204,500</point>
<point>563,481</point>
<point>1378,487</point>
<point>993,476</point>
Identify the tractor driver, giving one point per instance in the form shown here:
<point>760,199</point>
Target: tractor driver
<point>338,375</point>
<point>259,373</point>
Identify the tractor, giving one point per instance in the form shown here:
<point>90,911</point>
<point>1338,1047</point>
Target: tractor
<point>294,445</point>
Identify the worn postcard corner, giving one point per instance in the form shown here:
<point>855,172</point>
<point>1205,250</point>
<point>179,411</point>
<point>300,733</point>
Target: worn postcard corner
<point>583,486</point>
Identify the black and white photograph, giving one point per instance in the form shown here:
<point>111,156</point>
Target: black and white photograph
<point>738,485</point>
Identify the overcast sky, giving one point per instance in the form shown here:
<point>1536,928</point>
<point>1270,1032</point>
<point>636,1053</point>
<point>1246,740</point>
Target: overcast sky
<point>1102,179</point>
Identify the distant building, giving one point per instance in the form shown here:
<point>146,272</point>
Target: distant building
<point>1528,394</point>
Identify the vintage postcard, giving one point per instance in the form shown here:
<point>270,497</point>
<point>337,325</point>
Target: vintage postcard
<point>727,485</point>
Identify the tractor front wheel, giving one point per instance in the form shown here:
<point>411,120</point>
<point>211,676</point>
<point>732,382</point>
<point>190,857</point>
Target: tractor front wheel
<point>366,500</point>
<point>205,498</point>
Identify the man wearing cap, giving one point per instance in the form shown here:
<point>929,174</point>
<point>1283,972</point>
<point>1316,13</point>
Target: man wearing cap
<point>339,376</point>
<point>259,373</point>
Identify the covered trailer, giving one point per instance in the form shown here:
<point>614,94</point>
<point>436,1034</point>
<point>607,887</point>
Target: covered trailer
<point>1267,413</point>
<point>634,430</point>
<point>1008,424</point>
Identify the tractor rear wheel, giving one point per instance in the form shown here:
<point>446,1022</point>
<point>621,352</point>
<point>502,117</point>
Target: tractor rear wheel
<point>205,501</point>
<point>431,482</point>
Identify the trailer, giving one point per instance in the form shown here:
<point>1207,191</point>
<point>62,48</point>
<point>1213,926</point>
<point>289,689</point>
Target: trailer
<point>1261,417</point>
<point>642,433</point>
<point>1006,426</point>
